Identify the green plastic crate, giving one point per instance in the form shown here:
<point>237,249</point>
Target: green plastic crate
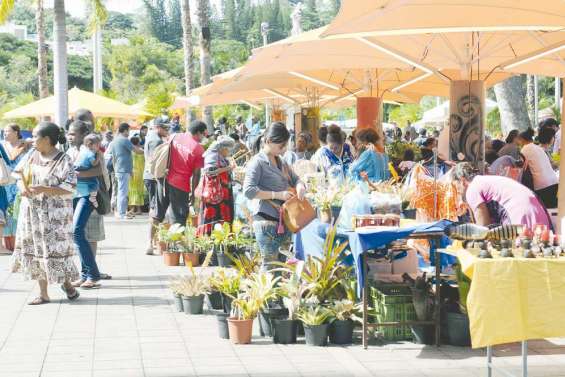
<point>393,303</point>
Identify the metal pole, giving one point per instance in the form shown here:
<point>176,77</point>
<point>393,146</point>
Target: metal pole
<point>489,361</point>
<point>524,358</point>
<point>557,93</point>
<point>536,100</point>
<point>365,301</point>
<point>265,34</point>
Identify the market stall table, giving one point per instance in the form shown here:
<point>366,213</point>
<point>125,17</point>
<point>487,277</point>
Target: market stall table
<point>513,299</point>
<point>365,239</point>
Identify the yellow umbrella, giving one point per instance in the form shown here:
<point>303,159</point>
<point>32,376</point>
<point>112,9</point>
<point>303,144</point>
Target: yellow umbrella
<point>78,99</point>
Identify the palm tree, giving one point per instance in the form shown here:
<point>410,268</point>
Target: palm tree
<point>41,51</point>
<point>205,42</point>
<point>511,99</point>
<point>60,74</point>
<point>187,49</point>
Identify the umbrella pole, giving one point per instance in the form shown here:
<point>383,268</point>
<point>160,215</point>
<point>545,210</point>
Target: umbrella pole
<point>561,193</point>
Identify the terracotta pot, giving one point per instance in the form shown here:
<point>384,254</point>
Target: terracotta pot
<point>171,259</point>
<point>162,247</point>
<point>193,258</point>
<point>240,330</point>
<point>194,221</point>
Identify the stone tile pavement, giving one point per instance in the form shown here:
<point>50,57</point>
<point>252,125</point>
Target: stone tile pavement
<point>129,328</point>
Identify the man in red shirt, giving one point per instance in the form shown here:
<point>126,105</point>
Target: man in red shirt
<point>186,160</point>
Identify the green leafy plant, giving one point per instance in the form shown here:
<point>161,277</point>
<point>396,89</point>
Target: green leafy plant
<point>257,290</point>
<point>292,290</point>
<point>194,284</point>
<point>323,275</point>
<point>314,316</point>
<point>346,309</point>
<point>463,285</point>
<point>246,264</point>
<point>226,281</point>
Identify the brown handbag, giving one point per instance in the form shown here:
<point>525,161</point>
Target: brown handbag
<point>297,214</point>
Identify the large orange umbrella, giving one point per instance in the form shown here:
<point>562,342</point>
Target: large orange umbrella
<point>469,36</point>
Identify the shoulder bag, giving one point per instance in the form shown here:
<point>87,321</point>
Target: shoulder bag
<point>210,189</point>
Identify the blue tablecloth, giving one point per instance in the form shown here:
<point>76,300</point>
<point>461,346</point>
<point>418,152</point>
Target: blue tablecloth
<point>361,241</point>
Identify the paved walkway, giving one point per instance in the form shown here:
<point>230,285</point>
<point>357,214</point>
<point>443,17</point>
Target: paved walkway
<point>130,328</point>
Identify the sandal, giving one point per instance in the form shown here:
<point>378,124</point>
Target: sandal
<point>78,283</point>
<point>89,284</point>
<point>38,301</point>
<point>71,296</point>
<point>104,276</point>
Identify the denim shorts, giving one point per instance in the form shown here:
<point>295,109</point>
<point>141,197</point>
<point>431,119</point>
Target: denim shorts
<point>269,241</point>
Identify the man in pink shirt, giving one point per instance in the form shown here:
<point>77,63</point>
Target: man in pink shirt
<point>500,200</point>
<point>186,160</point>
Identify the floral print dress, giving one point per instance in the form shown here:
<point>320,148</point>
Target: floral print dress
<point>44,238</point>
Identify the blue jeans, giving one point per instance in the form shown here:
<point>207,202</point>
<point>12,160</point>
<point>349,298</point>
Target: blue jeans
<point>83,209</point>
<point>122,180</point>
<point>269,241</point>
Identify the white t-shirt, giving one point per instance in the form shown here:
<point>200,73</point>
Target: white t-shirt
<point>540,166</point>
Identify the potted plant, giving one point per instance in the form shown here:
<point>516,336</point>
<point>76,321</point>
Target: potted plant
<point>191,253</point>
<point>221,235</point>
<point>328,201</point>
<point>316,320</point>
<point>345,312</point>
<point>226,283</point>
<point>174,237</point>
<point>292,290</point>
<point>257,290</point>
<point>176,288</point>
<point>458,333</point>
<point>193,288</point>
<point>162,233</point>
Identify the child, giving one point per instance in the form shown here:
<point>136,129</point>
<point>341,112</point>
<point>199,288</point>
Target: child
<point>87,159</point>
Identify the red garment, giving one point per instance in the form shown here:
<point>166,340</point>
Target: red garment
<point>212,214</point>
<point>186,156</point>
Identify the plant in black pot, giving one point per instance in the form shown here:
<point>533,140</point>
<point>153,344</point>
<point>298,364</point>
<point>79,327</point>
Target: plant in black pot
<point>176,288</point>
<point>227,281</point>
<point>316,320</point>
<point>193,288</point>
<point>346,312</point>
<point>292,289</point>
<point>423,300</point>
<point>458,333</point>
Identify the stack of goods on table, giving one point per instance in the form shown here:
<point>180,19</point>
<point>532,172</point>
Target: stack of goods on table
<point>508,241</point>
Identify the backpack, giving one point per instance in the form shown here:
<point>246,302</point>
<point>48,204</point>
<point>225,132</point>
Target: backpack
<point>160,159</point>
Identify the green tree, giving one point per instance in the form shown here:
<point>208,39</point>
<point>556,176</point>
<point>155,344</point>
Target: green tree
<point>227,54</point>
<point>404,113</point>
<point>310,16</point>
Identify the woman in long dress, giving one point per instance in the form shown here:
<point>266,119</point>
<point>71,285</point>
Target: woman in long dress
<point>44,239</point>
<point>216,164</point>
<point>136,189</point>
<point>16,148</point>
